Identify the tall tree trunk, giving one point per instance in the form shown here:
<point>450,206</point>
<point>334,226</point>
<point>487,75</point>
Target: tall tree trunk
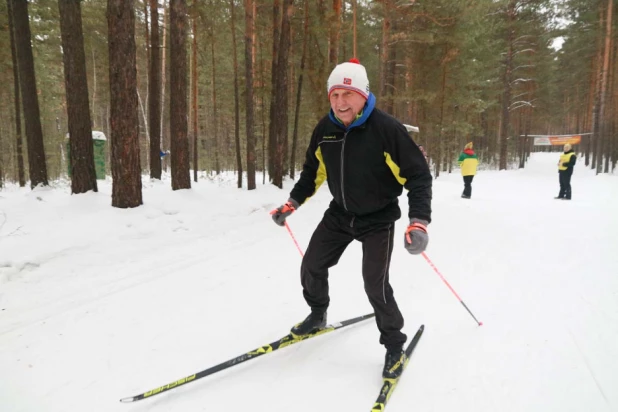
<point>93,115</point>
<point>598,81</point>
<point>194,97</point>
<point>389,77</point>
<point>440,145</point>
<point>165,136</point>
<point>299,91</point>
<point>249,110</point>
<point>181,177</point>
<point>575,112</point>
<point>411,109</point>
<point>590,110</point>
<point>215,116</point>
<point>506,84</point>
<point>146,106</point>
<point>603,88</point>
<point>528,113</point>
<point>126,171</point>
<point>260,75</point>
<point>258,101</point>
<point>236,99</point>
<point>390,64</point>
<point>142,107</point>
<point>272,134</point>
<point>34,133</point>
<point>384,52</point>
<point>520,140</point>
<point>354,42</point>
<point>485,128</point>
<point>146,39</point>
<point>612,110</point>
<point>83,176</point>
<point>335,31</point>
<point>16,90</point>
<point>281,95</point>
<point>154,92</point>
<point>609,106</point>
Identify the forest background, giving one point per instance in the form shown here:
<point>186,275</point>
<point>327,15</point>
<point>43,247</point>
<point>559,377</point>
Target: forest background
<point>239,85</point>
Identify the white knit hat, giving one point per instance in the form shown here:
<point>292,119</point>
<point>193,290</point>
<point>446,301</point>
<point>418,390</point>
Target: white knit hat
<point>350,76</point>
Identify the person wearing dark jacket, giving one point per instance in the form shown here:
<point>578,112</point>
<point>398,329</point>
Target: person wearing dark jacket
<point>565,171</point>
<point>367,158</point>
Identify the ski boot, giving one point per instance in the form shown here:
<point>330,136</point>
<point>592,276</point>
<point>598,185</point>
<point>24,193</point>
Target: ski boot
<point>315,321</point>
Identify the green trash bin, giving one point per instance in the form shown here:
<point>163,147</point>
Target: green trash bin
<point>98,147</point>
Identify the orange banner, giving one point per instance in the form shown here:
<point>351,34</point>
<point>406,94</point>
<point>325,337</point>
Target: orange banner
<point>557,140</point>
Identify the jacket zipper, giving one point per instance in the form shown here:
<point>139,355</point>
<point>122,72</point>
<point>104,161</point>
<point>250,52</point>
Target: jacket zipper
<point>345,206</point>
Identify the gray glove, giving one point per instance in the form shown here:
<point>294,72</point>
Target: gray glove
<point>282,212</point>
<point>416,237</point>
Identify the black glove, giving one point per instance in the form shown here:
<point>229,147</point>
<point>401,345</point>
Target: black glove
<point>416,237</point>
<point>279,214</point>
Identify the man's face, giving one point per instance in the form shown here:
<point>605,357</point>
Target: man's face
<point>346,104</point>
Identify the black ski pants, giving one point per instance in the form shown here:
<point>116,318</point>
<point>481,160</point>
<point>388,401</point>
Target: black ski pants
<point>565,184</point>
<point>330,239</point>
<point>468,185</point>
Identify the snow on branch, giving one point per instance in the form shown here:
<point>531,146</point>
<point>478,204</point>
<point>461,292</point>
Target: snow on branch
<point>519,104</point>
<point>521,80</point>
<point>523,66</point>
<point>525,50</point>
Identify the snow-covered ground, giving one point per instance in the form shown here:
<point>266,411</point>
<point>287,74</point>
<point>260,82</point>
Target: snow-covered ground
<point>98,303</point>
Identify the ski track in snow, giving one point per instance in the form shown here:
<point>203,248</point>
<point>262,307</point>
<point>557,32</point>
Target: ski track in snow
<point>592,374</point>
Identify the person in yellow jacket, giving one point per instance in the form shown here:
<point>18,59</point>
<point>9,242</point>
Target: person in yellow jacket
<point>565,171</point>
<point>468,161</point>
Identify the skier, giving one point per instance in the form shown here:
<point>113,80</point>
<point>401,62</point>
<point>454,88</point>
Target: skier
<point>367,157</point>
<point>565,171</point>
<point>468,163</point>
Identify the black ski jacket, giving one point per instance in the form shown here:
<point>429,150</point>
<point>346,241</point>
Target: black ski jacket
<point>367,165</point>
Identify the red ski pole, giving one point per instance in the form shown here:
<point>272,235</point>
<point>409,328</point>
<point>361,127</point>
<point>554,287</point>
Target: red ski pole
<point>449,286</point>
<point>293,238</point>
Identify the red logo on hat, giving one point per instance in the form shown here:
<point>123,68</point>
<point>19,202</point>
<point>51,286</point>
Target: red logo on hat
<point>347,81</point>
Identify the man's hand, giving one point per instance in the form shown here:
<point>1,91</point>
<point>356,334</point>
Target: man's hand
<point>416,237</point>
<point>282,212</point>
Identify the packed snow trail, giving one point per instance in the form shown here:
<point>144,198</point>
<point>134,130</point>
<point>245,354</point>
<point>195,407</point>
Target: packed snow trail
<point>97,303</point>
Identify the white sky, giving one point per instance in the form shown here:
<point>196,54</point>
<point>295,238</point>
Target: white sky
<point>97,303</point>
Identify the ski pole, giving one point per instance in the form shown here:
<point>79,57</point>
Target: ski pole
<point>449,286</point>
<point>294,239</point>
